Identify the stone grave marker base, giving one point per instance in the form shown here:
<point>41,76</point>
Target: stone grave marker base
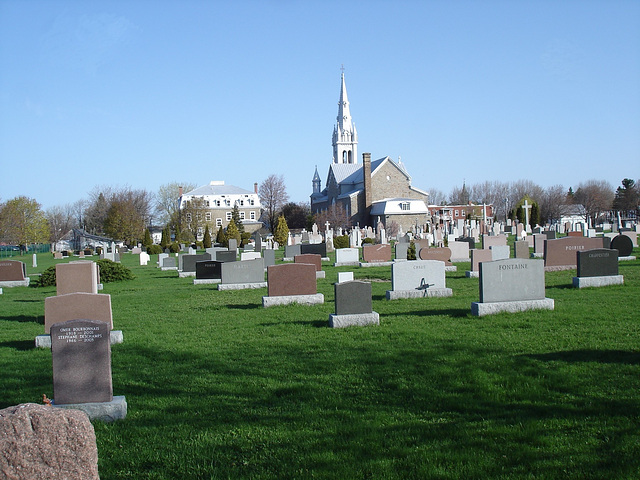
<point>481,309</point>
<point>44,341</point>
<point>346,264</point>
<point>472,274</point>
<point>107,412</point>
<point>241,286</point>
<point>583,282</point>
<point>429,292</point>
<point>559,268</point>
<point>450,268</point>
<point>164,269</point>
<point>206,281</point>
<point>354,320</point>
<point>375,264</point>
<point>186,274</point>
<point>288,299</point>
<point>624,259</point>
<point>15,283</point>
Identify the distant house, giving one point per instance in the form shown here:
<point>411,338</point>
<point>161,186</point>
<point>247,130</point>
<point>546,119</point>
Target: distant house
<point>453,213</point>
<point>212,204</point>
<point>373,191</point>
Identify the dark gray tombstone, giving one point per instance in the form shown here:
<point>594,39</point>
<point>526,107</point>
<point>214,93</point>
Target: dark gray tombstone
<point>469,240</point>
<point>269,257</point>
<point>258,242</point>
<point>169,262</point>
<point>208,270</point>
<point>353,297</point>
<point>228,256</point>
<point>623,244</point>
<point>291,251</point>
<point>189,261</point>
<point>316,248</point>
<point>81,358</point>
<point>551,234</point>
<point>599,262</point>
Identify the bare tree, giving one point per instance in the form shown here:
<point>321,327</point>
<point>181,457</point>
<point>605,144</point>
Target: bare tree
<point>273,196</point>
<point>336,215</point>
<point>193,216</point>
<point>596,196</point>
<point>167,201</point>
<point>551,204</point>
<point>437,197</point>
<point>61,220</point>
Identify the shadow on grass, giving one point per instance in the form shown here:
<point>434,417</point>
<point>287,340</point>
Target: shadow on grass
<point>24,319</point>
<point>28,301</point>
<point>452,312</point>
<point>599,356</point>
<point>244,306</point>
<point>22,345</point>
<point>564,286</point>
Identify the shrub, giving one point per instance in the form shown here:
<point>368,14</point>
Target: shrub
<point>47,279</point>
<point>341,241</point>
<point>174,247</point>
<point>113,272</point>
<point>368,240</point>
<point>411,251</point>
<point>154,249</point>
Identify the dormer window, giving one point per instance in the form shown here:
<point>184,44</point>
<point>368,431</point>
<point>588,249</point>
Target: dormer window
<point>405,206</point>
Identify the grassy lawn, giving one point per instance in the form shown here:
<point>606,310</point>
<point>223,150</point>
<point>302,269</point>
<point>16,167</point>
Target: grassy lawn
<point>219,387</point>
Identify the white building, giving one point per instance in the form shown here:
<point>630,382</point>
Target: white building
<point>213,203</point>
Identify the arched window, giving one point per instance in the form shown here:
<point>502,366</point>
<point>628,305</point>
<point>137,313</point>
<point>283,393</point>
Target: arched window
<point>344,156</point>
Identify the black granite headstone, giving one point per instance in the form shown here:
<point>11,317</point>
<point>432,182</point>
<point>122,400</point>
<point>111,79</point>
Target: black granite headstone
<point>208,270</point>
<point>189,261</point>
<point>353,297</point>
<point>469,240</point>
<point>551,234</point>
<point>599,262</point>
<point>623,244</point>
<point>81,358</point>
<point>317,248</point>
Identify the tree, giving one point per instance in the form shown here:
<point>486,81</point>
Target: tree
<point>296,214</point>
<point>221,237</point>
<point>627,197</point>
<point>166,237</point>
<point>61,220</point>
<point>167,202</point>
<point>282,231</point>
<point>596,196</point>
<point>550,206</point>
<point>123,222</point>
<point>147,241</point>
<point>235,216</point>
<point>22,222</point>
<point>193,217</point>
<point>336,215</point>
<point>206,241</point>
<point>273,196</point>
<point>534,216</point>
<point>437,197</point>
<point>233,232</point>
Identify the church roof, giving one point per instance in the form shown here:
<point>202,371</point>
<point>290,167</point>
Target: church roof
<point>393,206</point>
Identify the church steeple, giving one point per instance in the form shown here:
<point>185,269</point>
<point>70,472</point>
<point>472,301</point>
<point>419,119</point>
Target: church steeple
<point>316,182</point>
<point>345,137</point>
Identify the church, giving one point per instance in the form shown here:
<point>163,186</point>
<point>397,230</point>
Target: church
<point>371,191</point>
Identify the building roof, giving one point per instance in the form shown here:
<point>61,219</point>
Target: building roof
<point>393,206</point>
<point>218,188</point>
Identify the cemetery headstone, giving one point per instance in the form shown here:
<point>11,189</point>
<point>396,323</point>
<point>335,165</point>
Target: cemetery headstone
<point>353,305</point>
<point>401,250</point>
<point>521,249</point>
<point>419,278</point>
<point>376,253</point>
<point>459,251</point>
<point>623,244</point>
<point>597,268</point>
<point>478,255</point>
<point>226,256</point>
<point>269,255</point>
<point>78,276</point>
<point>347,256</point>
<point>442,254</point>
<point>511,285</point>
<point>242,275</point>
<point>314,248</point>
<point>345,277</point>
<point>560,254</point>
<point>290,251</point>
<point>488,241</point>
<point>13,273</point>
<point>208,271</point>
<point>292,283</point>
<point>500,252</point>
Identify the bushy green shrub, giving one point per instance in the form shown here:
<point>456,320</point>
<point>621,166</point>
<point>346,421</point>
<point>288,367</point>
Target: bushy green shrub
<point>341,241</point>
<point>154,249</point>
<point>113,272</point>
<point>411,251</point>
<point>369,240</point>
<point>174,247</point>
<point>47,279</point>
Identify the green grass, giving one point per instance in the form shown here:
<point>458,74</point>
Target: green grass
<point>219,387</point>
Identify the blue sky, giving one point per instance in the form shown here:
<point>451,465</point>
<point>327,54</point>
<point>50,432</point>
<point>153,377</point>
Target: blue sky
<point>142,93</point>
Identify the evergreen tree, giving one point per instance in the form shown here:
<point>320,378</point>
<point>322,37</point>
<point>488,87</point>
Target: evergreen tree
<point>534,217</point>
<point>147,242</point>
<point>282,231</point>
<point>206,241</point>
<point>411,251</point>
<point>520,214</point>
<point>235,216</point>
<point>232,232</point>
<point>221,237</point>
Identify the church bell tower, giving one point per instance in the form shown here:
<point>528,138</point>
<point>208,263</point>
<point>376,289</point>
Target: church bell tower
<point>345,137</point>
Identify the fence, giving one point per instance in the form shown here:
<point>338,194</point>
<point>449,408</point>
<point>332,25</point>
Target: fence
<point>14,250</point>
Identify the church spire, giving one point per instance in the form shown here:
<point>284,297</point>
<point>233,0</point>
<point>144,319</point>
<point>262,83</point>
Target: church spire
<point>345,137</point>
